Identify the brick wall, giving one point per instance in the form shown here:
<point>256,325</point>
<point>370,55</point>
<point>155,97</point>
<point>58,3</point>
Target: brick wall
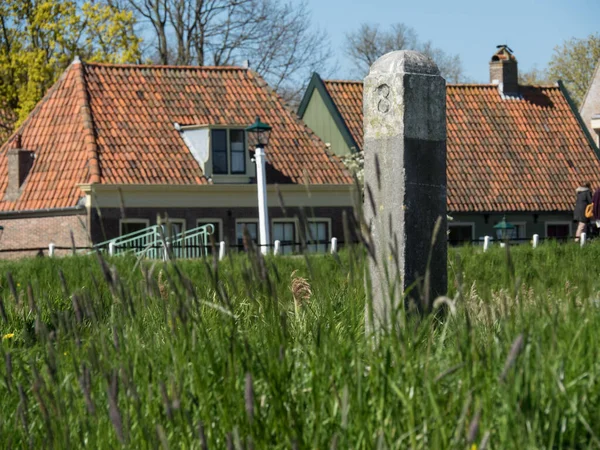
<point>39,232</point>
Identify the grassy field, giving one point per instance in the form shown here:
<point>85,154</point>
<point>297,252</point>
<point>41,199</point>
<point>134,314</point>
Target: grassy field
<point>273,354</point>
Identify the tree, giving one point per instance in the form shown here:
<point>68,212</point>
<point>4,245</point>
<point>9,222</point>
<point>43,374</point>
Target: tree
<point>275,37</point>
<point>574,62</point>
<point>40,38</point>
<point>534,77</point>
<point>365,45</point>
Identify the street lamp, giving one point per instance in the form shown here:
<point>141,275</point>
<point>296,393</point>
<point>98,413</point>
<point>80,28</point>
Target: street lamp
<point>258,135</point>
<point>504,229</point>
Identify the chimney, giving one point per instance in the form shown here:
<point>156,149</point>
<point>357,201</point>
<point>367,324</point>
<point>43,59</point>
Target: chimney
<point>19,164</point>
<point>504,71</point>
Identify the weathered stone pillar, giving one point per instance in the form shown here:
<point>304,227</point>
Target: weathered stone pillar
<point>405,181</point>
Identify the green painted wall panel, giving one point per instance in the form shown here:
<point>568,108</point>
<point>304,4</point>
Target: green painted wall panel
<point>532,226</point>
<point>317,118</point>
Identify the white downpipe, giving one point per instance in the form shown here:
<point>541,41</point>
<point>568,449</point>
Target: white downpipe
<point>333,246</point>
<point>221,250</point>
<point>263,212</point>
<point>536,240</point>
<point>51,249</point>
<point>582,239</point>
<point>277,247</point>
<point>486,243</point>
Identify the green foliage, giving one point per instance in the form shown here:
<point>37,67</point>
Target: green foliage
<point>40,38</point>
<point>155,355</point>
<point>574,62</point>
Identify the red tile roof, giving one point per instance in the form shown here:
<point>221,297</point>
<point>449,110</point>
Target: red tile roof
<point>114,124</point>
<point>348,98</point>
<point>526,154</point>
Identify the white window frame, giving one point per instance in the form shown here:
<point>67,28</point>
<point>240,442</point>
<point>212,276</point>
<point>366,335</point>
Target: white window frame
<point>174,220</point>
<point>524,224</point>
<point>146,222</point>
<point>558,222</point>
<point>465,224</point>
<point>285,220</point>
<point>206,221</point>
<point>317,220</point>
<point>247,220</point>
<point>246,152</point>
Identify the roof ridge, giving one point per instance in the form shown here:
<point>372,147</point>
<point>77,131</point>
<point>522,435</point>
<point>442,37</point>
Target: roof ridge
<point>163,66</point>
<point>88,126</point>
<point>343,81</point>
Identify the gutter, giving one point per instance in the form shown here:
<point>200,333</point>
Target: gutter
<point>48,212</point>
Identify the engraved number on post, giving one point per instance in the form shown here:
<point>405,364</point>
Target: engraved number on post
<point>384,104</point>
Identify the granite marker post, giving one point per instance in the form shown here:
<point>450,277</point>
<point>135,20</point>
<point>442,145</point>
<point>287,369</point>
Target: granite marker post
<point>405,182</point>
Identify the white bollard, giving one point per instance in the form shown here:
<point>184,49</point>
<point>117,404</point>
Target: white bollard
<point>51,249</point>
<point>333,246</point>
<point>277,247</point>
<point>221,250</point>
<point>582,239</point>
<point>486,243</point>
<point>536,240</point>
<point>111,249</point>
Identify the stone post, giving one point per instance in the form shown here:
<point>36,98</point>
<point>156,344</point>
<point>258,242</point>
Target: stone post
<point>582,239</point>
<point>334,246</point>
<point>277,247</point>
<point>486,243</point>
<point>536,240</point>
<point>221,250</point>
<point>51,249</point>
<point>405,182</point>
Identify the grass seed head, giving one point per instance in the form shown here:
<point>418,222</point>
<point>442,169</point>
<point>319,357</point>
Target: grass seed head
<point>301,289</point>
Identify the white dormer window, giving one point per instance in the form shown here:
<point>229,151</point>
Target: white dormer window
<point>221,152</point>
<point>228,148</point>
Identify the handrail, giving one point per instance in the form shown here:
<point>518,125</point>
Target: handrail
<point>151,241</point>
<point>192,243</point>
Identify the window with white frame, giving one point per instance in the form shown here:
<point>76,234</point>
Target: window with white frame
<point>558,230</point>
<point>228,150</point>
<point>217,230</point>
<point>251,227</point>
<point>461,233</point>
<point>318,235</point>
<point>127,226</point>
<point>173,227</point>
<point>285,233</point>
<point>519,231</point>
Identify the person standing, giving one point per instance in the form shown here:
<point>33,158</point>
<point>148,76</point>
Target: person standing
<point>584,198</point>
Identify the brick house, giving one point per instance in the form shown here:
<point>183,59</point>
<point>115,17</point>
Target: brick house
<point>512,150</point>
<point>111,148</point>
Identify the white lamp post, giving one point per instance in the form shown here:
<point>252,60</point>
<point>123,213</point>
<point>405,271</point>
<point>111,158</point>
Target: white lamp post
<point>258,134</point>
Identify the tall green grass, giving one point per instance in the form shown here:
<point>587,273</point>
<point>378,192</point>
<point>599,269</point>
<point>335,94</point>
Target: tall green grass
<point>104,354</point>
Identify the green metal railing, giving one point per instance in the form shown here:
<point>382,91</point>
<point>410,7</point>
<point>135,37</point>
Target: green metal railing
<point>152,242</point>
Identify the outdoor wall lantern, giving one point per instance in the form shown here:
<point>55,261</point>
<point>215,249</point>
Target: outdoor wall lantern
<point>258,135</point>
<point>504,229</point>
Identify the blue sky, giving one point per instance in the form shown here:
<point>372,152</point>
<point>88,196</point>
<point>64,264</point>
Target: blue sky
<point>470,28</point>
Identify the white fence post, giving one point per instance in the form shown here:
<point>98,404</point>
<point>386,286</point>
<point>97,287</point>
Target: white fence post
<point>582,239</point>
<point>51,249</point>
<point>221,250</point>
<point>276,247</point>
<point>333,246</point>
<point>111,249</point>
<point>536,240</point>
<point>486,243</point>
